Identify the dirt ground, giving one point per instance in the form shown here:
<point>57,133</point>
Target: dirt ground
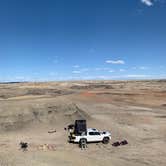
<point>131,110</point>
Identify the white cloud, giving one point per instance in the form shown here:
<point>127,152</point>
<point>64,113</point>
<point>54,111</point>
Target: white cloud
<point>106,68</point>
<point>76,66</point>
<point>79,70</point>
<point>140,68</point>
<point>137,76</point>
<point>102,77</point>
<point>143,67</point>
<point>20,78</point>
<point>76,72</point>
<point>111,71</point>
<point>121,62</point>
<point>152,2</point>
<point>122,70</point>
<point>84,69</point>
<point>107,77</point>
<point>162,76</point>
<point>101,69</point>
<point>147,2</point>
<point>35,73</point>
<point>98,69</point>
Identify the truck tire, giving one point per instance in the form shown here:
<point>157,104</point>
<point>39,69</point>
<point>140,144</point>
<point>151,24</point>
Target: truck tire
<point>106,140</point>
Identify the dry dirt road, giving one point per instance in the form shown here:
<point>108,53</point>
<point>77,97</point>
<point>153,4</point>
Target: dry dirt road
<point>131,110</point>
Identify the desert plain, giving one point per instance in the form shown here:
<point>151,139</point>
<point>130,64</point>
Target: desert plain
<point>131,110</point>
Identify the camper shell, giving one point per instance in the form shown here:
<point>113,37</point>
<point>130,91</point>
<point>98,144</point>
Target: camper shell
<point>80,127</point>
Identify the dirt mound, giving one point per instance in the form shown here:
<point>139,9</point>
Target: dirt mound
<point>52,92</point>
<point>7,92</point>
<point>76,113</point>
<point>92,86</point>
<point>45,115</point>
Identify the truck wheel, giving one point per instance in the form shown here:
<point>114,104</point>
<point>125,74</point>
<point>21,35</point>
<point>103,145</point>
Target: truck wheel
<point>106,140</point>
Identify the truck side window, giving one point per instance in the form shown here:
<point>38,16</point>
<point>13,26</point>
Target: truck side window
<point>91,133</point>
<point>96,133</point>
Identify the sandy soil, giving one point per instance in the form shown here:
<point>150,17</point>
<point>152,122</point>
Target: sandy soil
<point>131,110</point>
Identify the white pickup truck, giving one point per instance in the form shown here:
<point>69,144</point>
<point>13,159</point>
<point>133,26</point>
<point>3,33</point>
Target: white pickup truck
<point>92,135</point>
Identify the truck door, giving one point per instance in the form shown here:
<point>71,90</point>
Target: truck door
<point>94,136</point>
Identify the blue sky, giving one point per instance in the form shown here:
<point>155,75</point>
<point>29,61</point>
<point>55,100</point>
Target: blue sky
<point>46,40</point>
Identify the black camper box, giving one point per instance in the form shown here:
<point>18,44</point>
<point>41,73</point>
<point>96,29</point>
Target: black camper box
<point>80,127</point>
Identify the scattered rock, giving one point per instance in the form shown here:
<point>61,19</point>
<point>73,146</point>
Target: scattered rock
<point>50,132</point>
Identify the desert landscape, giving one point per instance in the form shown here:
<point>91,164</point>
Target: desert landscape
<point>131,110</point>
